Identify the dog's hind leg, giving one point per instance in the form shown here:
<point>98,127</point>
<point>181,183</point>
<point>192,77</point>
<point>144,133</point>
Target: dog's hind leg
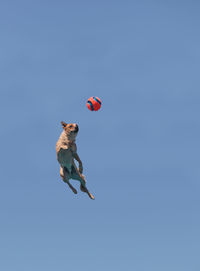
<point>65,176</point>
<point>76,175</point>
<point>84,189</point>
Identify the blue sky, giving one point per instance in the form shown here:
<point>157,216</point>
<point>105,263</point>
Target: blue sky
<point>140,152</point>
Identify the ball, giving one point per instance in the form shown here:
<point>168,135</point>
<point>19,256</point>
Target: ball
<point>94,103</point>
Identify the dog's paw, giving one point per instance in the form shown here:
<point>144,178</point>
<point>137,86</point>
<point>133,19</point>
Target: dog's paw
<point>74,190</point>
<point>91,196</point>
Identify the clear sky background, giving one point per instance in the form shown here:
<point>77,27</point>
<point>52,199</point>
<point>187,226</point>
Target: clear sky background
<point>140,152</point>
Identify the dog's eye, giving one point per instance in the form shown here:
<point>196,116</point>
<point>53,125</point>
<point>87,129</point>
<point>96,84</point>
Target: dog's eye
<point>70,126</point>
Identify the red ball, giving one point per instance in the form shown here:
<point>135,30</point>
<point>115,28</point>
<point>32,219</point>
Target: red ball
<point>94,103</point>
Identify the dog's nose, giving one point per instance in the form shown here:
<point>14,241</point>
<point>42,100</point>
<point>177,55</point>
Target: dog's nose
<point>76,128</point>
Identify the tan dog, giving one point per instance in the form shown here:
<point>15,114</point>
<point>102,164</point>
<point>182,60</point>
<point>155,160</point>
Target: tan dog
<point>66,153</point>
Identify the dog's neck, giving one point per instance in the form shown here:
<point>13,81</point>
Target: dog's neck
<point>68,138</point>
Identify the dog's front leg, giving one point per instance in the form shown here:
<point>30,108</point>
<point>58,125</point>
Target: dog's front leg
<point>75,155</point>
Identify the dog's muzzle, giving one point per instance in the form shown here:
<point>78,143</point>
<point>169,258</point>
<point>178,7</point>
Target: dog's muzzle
<point>76,129</point>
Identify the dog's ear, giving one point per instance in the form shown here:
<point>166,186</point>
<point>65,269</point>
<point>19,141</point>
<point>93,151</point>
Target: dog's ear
<point>64,124</point>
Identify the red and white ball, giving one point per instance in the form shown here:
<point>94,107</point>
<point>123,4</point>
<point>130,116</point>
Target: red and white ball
<point>94,103</point>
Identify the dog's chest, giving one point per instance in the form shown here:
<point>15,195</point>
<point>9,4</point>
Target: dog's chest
<point>65,158</point>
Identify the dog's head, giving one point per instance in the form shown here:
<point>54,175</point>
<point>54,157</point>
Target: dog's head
<point>71,129</point>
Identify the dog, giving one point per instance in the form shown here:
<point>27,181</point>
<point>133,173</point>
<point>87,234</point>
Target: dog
<point>66,150</point>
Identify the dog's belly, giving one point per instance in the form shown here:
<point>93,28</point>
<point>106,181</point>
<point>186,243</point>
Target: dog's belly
<point>65,158</point>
